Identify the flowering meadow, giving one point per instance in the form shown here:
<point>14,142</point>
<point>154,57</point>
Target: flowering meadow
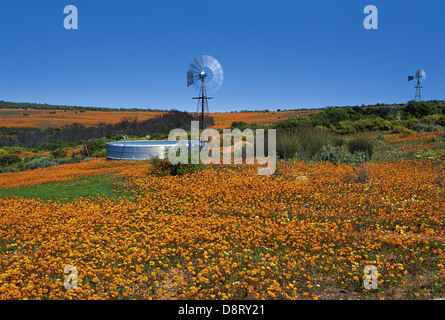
<point>306,232</point>
<point>49,118</point>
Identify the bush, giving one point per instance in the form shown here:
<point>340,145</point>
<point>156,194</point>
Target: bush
<point>338,155</point>
<point>96,145</point>
<point>290,123</point>
<point>361,145</point>
<point>87,159</point>
<point>288,144</point>
<point>100,153</point>
<point>65,160</point>
<point>40,163</point>
<point>158,136</point>
<point>9,159</point>
<point>314,139</point>
<point>434,119</point>
<point>163,167</point>
<point>305,140</point>
<point>57,154</point>
<point>422,127</point>
<point>420,109</point>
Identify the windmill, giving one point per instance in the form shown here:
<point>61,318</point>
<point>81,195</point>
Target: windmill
<point>420,74</point>
<point>206,75</point>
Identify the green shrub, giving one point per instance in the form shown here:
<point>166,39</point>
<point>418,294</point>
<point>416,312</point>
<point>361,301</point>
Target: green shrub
<point>9,159</point>
<point>422,127</point>
<point>57,154</point>
<point>77,157</point>
<point>420,109</point>
<point>158,136</point>
<point>381,137</point>
<point>404,131</point>
<point>361,145</point>
<point>306,141</point>
<point>40,163</point>
<point>288,144</point>
<point>290,123</point>
<point>95,145</point>
<point>163,167</point>
<point>100,153</point>
<point>22,166</point>
<point>315,138</point>
<point>65,160</point>
<point>338,155</point>
<point>434,119</point>
<point>14,150</point>
<point>87,159</point>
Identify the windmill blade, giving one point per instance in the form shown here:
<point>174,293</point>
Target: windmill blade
<point>421,74</point>
<point>190,78</point>
<point>196,66</point>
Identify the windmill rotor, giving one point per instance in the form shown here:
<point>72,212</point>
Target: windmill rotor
<point>209,68</point>
<point>420,74</point>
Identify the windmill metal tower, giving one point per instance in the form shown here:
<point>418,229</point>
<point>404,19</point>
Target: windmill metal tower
<point>420,75</point>
<point>205,73</point>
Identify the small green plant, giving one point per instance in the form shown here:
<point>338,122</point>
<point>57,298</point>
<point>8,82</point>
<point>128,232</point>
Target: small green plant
<point>100,153</point>
<point>361,145</point>
<point>338,155</point>
<point>40,163</point>
<point>422,127</point>
<point>381,137</point>
<point>362,171</point>
<point>288,145</point>
<point>163,167</point>
<point>57,154</point>
<point>9,159</point>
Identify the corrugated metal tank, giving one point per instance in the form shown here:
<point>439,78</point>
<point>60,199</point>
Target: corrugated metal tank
<point>140,150</point>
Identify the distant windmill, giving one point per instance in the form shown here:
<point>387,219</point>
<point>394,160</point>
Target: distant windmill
<point>419,75</point>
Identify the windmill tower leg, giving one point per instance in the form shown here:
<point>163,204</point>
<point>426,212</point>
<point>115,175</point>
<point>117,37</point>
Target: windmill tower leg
<point>418,92</point>
<point>203,101</point>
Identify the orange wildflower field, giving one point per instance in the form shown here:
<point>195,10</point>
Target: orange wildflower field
<point>44,118</point>
<point>228,233</point>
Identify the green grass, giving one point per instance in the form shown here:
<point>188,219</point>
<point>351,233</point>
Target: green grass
<point>95,186</point>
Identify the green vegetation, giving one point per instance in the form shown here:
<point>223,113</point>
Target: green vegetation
<point>363,146</point>
<point>243,125</point>
<point>422,127</point>
<point>163,167</point>
<point>305,141</point>
<point>395,118</point>
<point>338,155</point>
<point>9,159</point>
<point>104,186</point>
<point>39,106</point>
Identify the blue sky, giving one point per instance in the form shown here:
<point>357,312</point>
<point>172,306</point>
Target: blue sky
<point>275,54</point>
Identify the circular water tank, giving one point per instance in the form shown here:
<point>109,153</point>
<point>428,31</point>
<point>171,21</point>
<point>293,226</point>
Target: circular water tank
<point>140,150</point>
